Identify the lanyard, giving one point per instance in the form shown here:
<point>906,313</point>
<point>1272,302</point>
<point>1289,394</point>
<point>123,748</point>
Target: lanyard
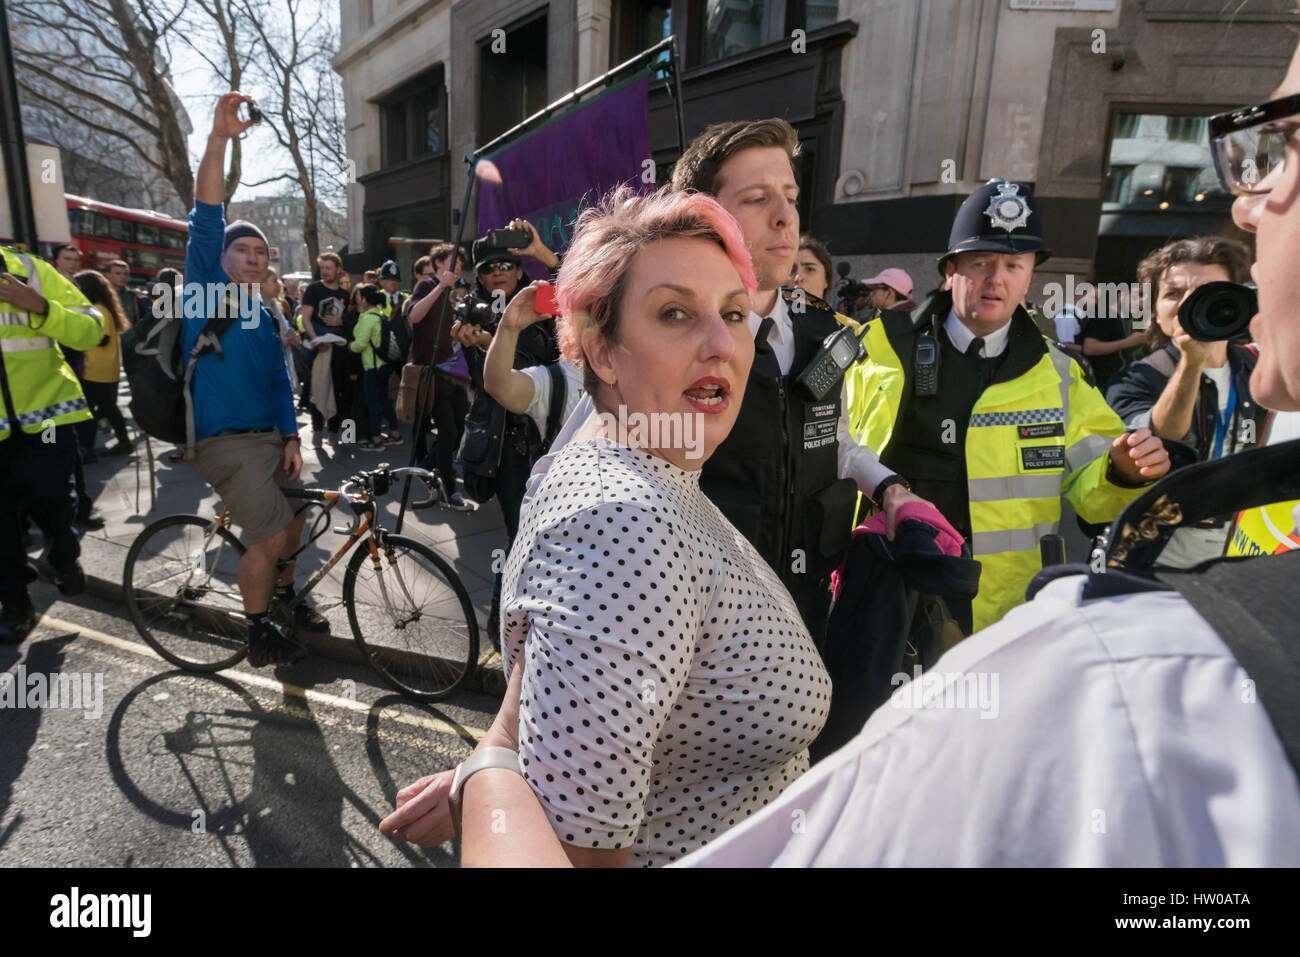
<point>1221,422</point>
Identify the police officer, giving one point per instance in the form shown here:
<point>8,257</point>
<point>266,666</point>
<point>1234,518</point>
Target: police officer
<point>789,473</point>
<point>966,400</point>
<point>42,399</point>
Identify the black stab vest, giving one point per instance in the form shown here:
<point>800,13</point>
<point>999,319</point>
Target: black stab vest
<point>775,475</point>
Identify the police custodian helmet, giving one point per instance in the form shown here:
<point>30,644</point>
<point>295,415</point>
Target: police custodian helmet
<point>998,217</point>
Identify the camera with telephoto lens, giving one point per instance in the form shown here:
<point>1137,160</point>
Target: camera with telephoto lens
<point>1216,311</point>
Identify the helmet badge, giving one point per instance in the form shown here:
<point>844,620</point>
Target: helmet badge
<point>1008,210</point>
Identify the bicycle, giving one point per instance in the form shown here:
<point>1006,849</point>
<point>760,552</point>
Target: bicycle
<point>183,594</point>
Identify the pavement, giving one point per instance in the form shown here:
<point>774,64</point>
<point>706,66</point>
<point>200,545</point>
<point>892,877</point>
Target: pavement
<point>121,487</point>
<point>125,761</point>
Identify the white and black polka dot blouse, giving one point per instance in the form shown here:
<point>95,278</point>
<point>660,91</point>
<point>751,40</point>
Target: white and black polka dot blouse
<point>671,689</point>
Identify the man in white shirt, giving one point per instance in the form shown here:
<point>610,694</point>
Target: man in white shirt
<point>789,474</point>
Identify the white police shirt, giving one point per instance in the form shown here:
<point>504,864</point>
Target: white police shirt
<point>1112,732</point>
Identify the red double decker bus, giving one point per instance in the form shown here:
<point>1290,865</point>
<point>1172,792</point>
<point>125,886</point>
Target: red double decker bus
<point>145,240</point>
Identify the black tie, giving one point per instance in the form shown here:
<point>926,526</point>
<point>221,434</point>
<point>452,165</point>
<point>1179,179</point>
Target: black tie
<point>981,364</point>
<point>765,362</point>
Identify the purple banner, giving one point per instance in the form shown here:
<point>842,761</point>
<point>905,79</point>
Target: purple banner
<point>549,175</point>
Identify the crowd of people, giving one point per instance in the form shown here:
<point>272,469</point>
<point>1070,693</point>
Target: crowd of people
<point>665,611</point>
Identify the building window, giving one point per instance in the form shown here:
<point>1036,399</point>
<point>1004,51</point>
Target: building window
<point>412,119</point>
<point>1187,129</point>
<point>1118,181</point>
<point>810,14</point>
<point>636,26</point>
<point>728,27</point>
<point>512,83</point>
<point>1159,161</point>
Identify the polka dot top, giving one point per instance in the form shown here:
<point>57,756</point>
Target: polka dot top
<point>670,687</point>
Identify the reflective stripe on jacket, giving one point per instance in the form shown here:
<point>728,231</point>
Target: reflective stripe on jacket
<point>44,390</point>
<point>1011,506</point>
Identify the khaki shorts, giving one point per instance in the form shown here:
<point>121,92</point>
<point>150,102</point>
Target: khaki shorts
<point>246,471</point>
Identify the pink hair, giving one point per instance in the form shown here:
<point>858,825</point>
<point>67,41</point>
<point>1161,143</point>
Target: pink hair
<point>591,282</point>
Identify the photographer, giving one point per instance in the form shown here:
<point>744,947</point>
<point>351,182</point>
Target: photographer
<point>1196,393</point>
<point>500,447</point>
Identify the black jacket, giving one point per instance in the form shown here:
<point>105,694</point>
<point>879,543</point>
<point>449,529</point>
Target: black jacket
<point>776,475</point>
<point>901,604</point>
<point>1136,390</point>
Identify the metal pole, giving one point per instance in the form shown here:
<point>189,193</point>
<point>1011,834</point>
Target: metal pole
<point>12,145</point>
<point>676,62</point>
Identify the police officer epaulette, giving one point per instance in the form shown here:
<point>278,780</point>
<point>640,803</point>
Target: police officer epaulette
<point>794,295</point>
<point>1188,495</point>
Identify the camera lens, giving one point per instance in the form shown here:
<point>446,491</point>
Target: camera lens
<point>1216,311</point>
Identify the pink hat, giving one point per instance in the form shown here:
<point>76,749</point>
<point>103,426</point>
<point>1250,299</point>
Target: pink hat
<point>895,279</point>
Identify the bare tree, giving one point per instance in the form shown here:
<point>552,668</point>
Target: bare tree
<point>303,102</point>
<point>102,66</point>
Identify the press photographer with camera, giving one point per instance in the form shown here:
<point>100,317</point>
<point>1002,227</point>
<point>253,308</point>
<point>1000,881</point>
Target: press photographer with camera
<point>1189,390</point>
<point>500,447</point>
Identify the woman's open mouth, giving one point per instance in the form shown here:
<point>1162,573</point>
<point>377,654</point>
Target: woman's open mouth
<point>710,395</point>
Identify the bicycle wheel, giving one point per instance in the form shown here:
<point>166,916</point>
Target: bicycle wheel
<point>183,593</point>
<point>412,617</point>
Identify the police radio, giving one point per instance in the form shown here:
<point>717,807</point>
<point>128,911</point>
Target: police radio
<point>926,378</point>
<point>839,350</point>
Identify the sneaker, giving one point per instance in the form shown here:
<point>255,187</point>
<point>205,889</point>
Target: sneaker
<point>118,449</point>
<point>459,503</point>
<point>371,446</point>
<point>91,521</point>
<point>271,646</point>
<point>71,580</point>
<point>17,621</point>
<point>393,440</point>
<point>309,619</point>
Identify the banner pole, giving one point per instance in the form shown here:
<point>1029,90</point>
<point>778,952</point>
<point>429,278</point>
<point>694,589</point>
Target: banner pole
<point>675,62</point>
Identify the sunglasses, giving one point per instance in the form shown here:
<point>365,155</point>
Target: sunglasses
<point>488,268</point>
<point>1249,144</point>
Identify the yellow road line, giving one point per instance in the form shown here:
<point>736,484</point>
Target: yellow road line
<point>272,684</point>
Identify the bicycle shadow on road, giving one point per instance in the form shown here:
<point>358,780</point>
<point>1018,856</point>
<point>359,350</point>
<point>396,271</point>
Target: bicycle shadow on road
<point>250,782</point>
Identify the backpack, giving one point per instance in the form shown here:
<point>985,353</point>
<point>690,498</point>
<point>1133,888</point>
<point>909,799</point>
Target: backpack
<point>395,334</point>
<point>159,373</point>
<point>484,438</point>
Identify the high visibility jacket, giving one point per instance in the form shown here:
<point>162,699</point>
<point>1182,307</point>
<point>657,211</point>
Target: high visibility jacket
<point>39,388</point>
<point>1014,499</point>
<point>1269,529</point>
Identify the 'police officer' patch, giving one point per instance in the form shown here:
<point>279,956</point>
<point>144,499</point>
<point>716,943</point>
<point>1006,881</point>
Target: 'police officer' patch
<point>1042,430</point>
<point>1043,457</point>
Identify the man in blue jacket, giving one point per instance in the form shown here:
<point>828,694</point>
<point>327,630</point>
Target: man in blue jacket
<point>244,423</point>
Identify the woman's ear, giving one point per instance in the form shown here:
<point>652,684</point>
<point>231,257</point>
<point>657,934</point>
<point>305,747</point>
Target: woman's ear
<point>599,356</point>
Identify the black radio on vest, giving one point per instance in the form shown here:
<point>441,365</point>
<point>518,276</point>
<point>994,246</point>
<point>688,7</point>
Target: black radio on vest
<point>926,380</point>
<point>839,350</point>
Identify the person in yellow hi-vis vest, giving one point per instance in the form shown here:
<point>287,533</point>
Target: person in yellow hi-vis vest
<point>966,400</point>
<point>42,400</point>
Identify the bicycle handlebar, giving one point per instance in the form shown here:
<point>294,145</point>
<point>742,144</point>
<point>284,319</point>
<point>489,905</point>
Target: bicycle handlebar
<point>378,480</point>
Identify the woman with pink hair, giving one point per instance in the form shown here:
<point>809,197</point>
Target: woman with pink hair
<point>668,687</point>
